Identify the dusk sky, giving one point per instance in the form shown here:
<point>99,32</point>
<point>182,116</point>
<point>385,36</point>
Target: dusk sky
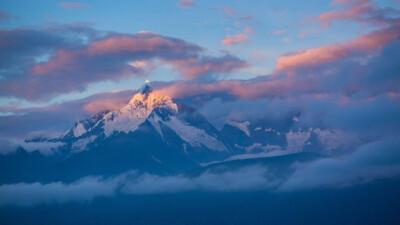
<point>56,53</point>
<point>200,112</point>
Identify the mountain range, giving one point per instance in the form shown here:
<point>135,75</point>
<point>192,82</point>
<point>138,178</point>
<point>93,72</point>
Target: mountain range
<point>153,133</point>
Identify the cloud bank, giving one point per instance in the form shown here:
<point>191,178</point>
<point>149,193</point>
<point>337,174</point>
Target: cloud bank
<point>370,162</point>
<point>375,160</point>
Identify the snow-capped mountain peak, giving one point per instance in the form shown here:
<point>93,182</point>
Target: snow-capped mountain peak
<point>137,111</point>
<point>150,115</point>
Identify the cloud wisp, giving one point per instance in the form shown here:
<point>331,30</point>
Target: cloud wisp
<point>74,5</point>
<point>27,194</point>
<point>242,37</point>
<point>372,161</point>
<point>4,16</point>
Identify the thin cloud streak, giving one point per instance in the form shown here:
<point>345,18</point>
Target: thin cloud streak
<point>74,5</point>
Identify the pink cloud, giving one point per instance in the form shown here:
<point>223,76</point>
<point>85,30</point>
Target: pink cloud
<point>237,88</point>
<point>310,57</point>
<point>145,42</point>
<point>194,67</point>
<point>238,38</point>
<point>227,11</point>
<point>186,3</point>
<point>105,104</point>
<point>345,78</point>
<point>350,13</point>
<point>317,56</point>
<point>142,64</point>
<point>361,11</point>
<point>278,32</point>
<point>115,52</point>
<point>259,56</point>
<point>112,58</point>
<point>374,40</point>
<point>248,30</point>
<point>303,34</point>
<point>142,47</point>
<point>394,95</point>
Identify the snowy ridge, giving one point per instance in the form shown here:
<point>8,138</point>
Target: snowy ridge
<point>333,139</point>
<point>81,144</point>
<point>297,140</point>
<point>194,136</point>
<point>83,127</point>
<point>155,120</point>
<point>79,130</point>
<point>263,147</point>
<point>242,126</point>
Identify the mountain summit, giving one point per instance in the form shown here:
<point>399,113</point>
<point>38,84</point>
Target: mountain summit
<point>157,116</point>
<point>152,133</point>
<point>146,88</point>
<point>137,111</point>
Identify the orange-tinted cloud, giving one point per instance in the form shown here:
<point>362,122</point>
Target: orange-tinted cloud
<point>238,38</point>
<point>142,42</point>
<point>240,89</point>
<point>320,71</point>
<point>105,104</point>
<point>183,56</point>
<point>194,67</point>
<point>73,65</point>
<point>317,56</point>
<point>363,11</point>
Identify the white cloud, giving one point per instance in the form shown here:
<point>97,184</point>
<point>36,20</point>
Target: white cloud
<point>24,194</point>
<point>372,161</point>
<point>85,189</point>
<point>8,146</point>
